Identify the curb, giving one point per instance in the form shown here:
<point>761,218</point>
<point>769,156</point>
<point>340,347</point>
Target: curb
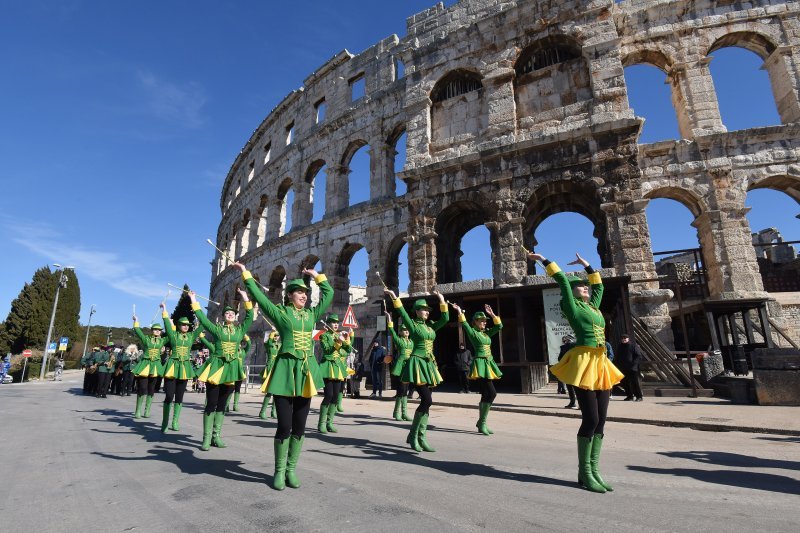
<point>698,426</point>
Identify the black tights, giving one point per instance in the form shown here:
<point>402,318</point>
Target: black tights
<point>332,390</point>
<point>401,390</point>
<point>216,397</point>
<point>237,385</point>
<point>594,407</point>
<point>145,385</point>
<point>488,394</point>
<point>425,399</point>
<point>174,389</point>
<point>292,414</point>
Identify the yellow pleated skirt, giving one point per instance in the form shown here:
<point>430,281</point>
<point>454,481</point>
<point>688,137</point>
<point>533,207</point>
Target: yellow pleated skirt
<point>587,368</point>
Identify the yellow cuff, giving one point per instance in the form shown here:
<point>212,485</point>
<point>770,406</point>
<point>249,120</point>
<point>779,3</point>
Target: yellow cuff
<point>390,324</point>
<point>164,314</point>
<point>248,305</point>
<point>195,306</point>
<point>397,303</point>
<point>246,275</point>
<point>552,268</point>
<point>272,334</point>
<point>443,307</point>
<point>496,320</point>
<point>136,324</point>
<point>462,318</point>
<point>246,338</point>
<point>202,335</point>
<point>319,279</point>
<point>594,278</point>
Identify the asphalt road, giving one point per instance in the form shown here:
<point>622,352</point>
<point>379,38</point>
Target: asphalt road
<point>75,463</point>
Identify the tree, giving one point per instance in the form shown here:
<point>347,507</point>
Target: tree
<point>183,308</point>
<point>27,322</point>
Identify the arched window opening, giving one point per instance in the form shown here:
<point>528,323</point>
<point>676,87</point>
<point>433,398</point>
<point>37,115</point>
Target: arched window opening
<point>559,236</point>
<point>349,275</point>
<point>476,254</point>
<point>357,272</point>
<point>544,54</point>
<point>395,273</point>
<point>277,282</point>
<point>285,204</point>
<point>457,109</point>
<point>359,177</point>
<point>775,231</point>
<point>261,220</point>
<point>399,69</point>
<point>316,178</point>
<point>650,97</point>
<point>452,226</point>
<point>455,84</point>
<point>399,163</point>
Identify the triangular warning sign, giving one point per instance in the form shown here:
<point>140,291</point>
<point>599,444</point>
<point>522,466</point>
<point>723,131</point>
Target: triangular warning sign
<point>349,319</point>
<point>318,333</point>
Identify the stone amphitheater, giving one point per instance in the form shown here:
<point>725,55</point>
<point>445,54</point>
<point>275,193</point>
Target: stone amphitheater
<point>515,110</point>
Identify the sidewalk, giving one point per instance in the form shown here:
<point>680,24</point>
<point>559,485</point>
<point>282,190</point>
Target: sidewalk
<point>707,414</point>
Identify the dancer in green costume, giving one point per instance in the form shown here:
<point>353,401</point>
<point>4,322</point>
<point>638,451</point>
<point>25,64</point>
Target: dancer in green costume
<point>335,348</point>
<point>294,377</point>
<point>271,348</point>
<point>149,367</point>
<point>421,369</point>
<point>483,368</point>
<point>403,346</point>
<point>585,366</point>
<point>223,367</point>
<point>178,370</point>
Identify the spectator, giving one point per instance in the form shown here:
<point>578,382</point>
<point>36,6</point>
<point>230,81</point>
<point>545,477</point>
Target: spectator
<point>628,358</point>
<point>463,361</point>
<point>376,367</point>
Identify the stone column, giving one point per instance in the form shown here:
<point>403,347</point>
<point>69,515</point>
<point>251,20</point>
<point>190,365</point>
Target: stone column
<point>500,104</point>
<point>421,253</point>
<point>382,180</point>
<point>694,98</point>
<point>784,75</point>
<point>302,210</point>
<point>418,132</point>
<point>274,220</point>
<point>337,193</point>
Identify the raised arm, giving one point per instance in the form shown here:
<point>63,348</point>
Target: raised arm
<point>168,327</point>
<point>138,331</point>
<point>197,331</point>
<point>398,306</point>
<point>201,316</point>
<point>553,270</point>
<point>497,324</point>
<point>445,316</point>
<point>249,314</point>
<point>267,307</point>
<point>390,327</point>
<point>325,292</point>
<point>208,344</point>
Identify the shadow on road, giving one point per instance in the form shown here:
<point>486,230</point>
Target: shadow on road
<point>404,454</point>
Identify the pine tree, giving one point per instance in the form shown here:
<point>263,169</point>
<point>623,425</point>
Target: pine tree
<point>183,308</point>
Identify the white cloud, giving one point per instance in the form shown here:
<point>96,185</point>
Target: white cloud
<point>173,102</point>
<point>106,267</point>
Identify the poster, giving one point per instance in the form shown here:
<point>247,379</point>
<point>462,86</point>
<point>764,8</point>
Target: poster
<point>555,323</point>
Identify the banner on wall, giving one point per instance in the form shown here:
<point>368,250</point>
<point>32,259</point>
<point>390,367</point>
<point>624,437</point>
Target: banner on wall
<point>556,324</point>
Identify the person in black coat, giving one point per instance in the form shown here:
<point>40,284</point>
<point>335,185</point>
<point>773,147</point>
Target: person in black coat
<point>568,341</point>
<point>628,357</point>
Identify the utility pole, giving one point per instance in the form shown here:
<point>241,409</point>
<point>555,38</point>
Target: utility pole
<point>88,326</point>
<point>62,282</point>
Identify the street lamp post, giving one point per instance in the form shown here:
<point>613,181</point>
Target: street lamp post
<point>88,326</point>
<point>62,282</point>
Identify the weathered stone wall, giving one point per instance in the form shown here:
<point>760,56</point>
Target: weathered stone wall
<point>540,136</point>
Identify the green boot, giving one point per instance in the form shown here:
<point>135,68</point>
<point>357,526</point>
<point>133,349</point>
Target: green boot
<point>339,408</point>
<point>597,446</point>
<point>281,451</point>
<point>176,415</point>
<point>216,435</point>
<point>404,408</point>
<point>165,417</point>
<point>413,435</point>
<point>331,415</point>
<point>397,406</point>
<point>235,401</point>
<point>488,408</point>
<point>138,412</point>
<point>585,477</point>
<point>147,403</point>
<point>323,416</point>
<point>481,425</point>
<point>228,404</point>
<point>423,430</point>
<point>272,409</point>
<point>295,445</point>
<point>263,413</point>
<point>208,422</point>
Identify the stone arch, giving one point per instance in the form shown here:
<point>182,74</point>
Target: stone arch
<point>285,211</point>
<point>686,197</point>
<point>790,185</point>
<point>315,193</point>
<point>340,279</point>
<point>391,159</point>
<point>648,56</point>
<point>350,151</point>
<point>344,189</point>
<point>276,283</point>
<point>391,268</point>
<point>754,41</point>
<point>452,223</point>
<point>260,227</point>
<point>244,238</point>
<point>457,106</point>
<point>566,196</point>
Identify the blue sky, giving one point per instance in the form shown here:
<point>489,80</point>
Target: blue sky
<point>120,120</point>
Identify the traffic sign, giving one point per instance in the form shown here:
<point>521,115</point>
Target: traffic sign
<point>62,344</point>
<point>317,334</point>
<point>52,347</point>
<point>27,353</point>
<point>349,318</point>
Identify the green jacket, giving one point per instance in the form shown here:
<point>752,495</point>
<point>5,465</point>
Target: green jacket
<point>295,326</point>
<point>125,362</point>
<point>181,343</point>
<point>584,318</point>
<point>101,359</point>
<point>481,341</point>
<point>272,347</point>
<point>330,348</point>
<point>422,333</point>
<point>227,337</point>
<point>152,344</point>
<point>403,347</point>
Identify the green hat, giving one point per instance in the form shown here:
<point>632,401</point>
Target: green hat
<point>228,308</point>
<point>479,315</point>
<point>333,317</point>
<point>421,304</point>
<point>156,325</point>
<point>402,327</point>
<point>296,284</point>
<point>574,280</point>
<point>184,320</point>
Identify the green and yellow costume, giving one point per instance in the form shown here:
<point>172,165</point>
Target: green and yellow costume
<point>586,364</point>
<point>179,364</point>
<point>421,368</point>
<point>149,366</point>
<point>225,365</point>
<point>334,357</point>
<point>295,371</point>
<point>402,352</point>
<point>483,365</point>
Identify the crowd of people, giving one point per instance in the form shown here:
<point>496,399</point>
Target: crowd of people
<point>293,374</point>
